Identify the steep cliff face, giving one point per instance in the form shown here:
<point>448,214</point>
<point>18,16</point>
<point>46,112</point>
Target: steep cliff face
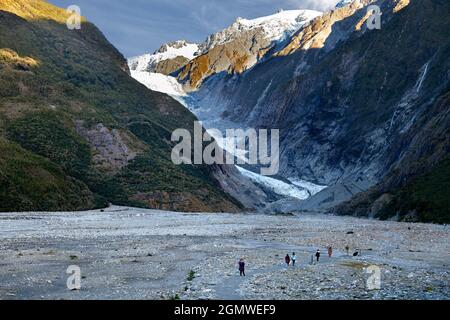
<point>77,132</point>
<point>417,186</point>
<point>327,30</point>
<point>310,91</point>
<point>349,101</point>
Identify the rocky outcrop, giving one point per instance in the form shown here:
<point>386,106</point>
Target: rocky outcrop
<point>169,66</point>
<point>239,47</point>
<point>112,149</point>
<point>169,58</point>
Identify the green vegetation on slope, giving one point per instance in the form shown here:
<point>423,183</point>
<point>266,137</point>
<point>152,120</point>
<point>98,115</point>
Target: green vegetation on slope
<point>43,133</point>
<point>57,88</point>
<point>30,182</point>
<point>425,198</point>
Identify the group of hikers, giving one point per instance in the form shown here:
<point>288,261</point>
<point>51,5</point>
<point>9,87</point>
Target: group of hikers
<point>293,259</point>
<point>290,259</point>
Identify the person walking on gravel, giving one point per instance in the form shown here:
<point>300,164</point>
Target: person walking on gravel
<point>294,259</point>
<point>287,259</point>
<point>242,267</point>
<point>330,251</point>
<point>318,255</point>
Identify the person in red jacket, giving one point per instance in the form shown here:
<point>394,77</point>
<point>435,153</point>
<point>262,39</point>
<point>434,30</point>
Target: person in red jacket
<point>287,259</point>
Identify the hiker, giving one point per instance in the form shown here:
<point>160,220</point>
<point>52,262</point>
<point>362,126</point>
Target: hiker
<point>318,255</point>
<point>294,259</point>
<point>287,259</point>
<point>242,267</point>
<point>330,251</point>
<point>347,249</point>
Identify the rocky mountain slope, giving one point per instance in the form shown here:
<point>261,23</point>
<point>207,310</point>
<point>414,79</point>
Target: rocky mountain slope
<point>357,108</point>
<point>77,132</point>
<point>232,50</point>
<point>167,59</point>
<point>353,104</point>
<point>242,45</point>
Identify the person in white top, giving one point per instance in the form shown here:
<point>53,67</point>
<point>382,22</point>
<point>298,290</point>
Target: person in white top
<point>294,259</point>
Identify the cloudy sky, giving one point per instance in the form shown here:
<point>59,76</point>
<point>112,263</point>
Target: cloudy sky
<point>140,26</point>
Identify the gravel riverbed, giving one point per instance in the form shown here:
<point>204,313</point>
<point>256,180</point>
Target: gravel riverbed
<point>128,253</point>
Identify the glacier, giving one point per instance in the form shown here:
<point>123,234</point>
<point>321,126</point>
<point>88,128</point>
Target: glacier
<point>279,187</point>
<point>275,27</point>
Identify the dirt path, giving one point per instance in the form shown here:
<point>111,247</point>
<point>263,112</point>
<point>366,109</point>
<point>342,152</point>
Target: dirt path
<point>229,287</point>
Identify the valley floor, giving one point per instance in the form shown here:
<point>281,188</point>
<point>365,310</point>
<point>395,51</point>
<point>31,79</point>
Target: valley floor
<point>127,253</point>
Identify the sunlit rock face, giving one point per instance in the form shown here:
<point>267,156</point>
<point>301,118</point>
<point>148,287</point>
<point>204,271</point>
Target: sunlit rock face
<point>242,45</point>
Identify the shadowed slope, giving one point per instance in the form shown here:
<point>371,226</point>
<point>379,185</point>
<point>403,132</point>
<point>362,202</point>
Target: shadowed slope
<point>76,115</point>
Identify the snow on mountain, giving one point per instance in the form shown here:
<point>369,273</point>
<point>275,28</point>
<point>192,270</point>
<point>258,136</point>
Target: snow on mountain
<point>275,27</point>
<point>148,62</point>
<point>144,68</point>
<point>289,17</point>
<point>343,3</point>
<point>153,70</point>
<point>159,82</point>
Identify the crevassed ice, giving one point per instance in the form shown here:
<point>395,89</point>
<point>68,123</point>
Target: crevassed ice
<point>277,186</point>
<point>159,82</point>
<point>312,188</point>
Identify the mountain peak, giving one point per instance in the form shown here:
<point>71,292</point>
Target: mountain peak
<point>178,45</point>
<point>180,50</point>
<point>281,17</point>
<point>272,27</point>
